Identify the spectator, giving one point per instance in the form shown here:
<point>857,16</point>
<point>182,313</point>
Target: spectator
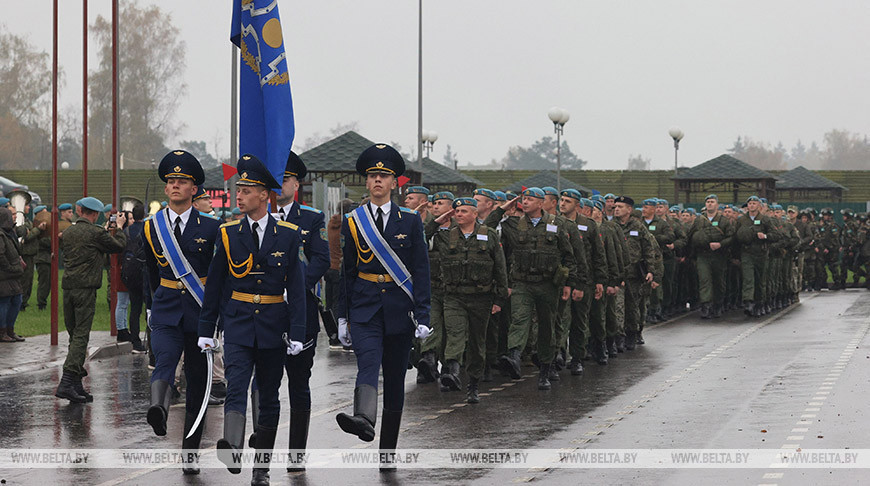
<point>11,270</point>
<point>131,290</point>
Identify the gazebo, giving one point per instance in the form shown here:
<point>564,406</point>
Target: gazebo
<point>724,175</point>
<point>804,185</point>
<point>548,178</point>
<point>335,160</point>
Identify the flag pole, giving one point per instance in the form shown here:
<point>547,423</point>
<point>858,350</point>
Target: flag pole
<point>55,242</point>
<point>114,269</point>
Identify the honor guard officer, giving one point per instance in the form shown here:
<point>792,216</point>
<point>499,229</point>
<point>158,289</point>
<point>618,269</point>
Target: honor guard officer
<point>315,244</point>
<point>179,248</point>
<point>385,297</point>
<point>258,266</point>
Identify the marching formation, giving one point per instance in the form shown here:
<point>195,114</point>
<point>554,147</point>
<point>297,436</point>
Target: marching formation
<point>459,287</point>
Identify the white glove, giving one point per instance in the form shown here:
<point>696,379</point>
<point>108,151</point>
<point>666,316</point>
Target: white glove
<point>294,348</point>
<point>343,332</point>
<point>205,343</point>
<point>148,318</point>
<point>422,332</point>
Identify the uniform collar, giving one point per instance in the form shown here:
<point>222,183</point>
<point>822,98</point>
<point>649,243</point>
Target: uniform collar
<point>184,216</point>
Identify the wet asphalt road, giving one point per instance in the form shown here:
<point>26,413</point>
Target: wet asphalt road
<point>695,384</point>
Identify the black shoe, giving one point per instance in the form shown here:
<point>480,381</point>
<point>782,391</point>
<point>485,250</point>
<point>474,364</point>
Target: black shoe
<point>559,362</point>
<point>629,340</point>
<point>601,355</point>
<point>365,408</point>
<point>472,395</point>
<point>543,377</point>
<point>159,409</point>
<point>265,445</point>
<point>260,477</point>
<point>214,401</point>
<point>510,364</point>
<point>299,422</point>
<point>66,389</point>
<point>611,348</point>
<point>487,374</point>
<point>749,308</point>
<point>705,311</point>
<point>553,374</point>
<point>450,376</point>
<point>190,446</point>
<point>638,338</point>
<point>427,368</point>
<point>334,343</point>
<point>231,444</point>
<point>576,368</point>
<point>138,347</point>
<point>176,394</point>
<point>219,389</point>
<point>391,421</point>
<point>123,336</point>
<point>41,307</point>
<point>80,389</point>
<point>717,311</point>
<point>620,343</point>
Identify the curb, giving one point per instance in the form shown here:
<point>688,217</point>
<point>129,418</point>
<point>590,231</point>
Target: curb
<point>94,353</point>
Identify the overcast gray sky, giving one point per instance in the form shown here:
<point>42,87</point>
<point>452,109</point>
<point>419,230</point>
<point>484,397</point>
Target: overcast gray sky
<point>626,71</point>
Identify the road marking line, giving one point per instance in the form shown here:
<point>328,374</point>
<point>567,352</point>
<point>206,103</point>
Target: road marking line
<point>772,475</point>
<point>790,446</point>
<point>812,409</point>
<point>795,437</point>
<point>800,429</point>
<point>808,415</point>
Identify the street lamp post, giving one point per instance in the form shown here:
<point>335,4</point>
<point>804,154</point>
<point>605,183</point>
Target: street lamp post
<point>429,139</point>
<point>559,117</point>
<point>677,135</point>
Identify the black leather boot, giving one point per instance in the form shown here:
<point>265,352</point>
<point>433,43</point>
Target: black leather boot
<point>630,340</point>
<point>620,343</point>
<point>265,444</point>
<point>66,389</point>
<point>80,389</point>
<point>190,447</point>
<point>611,347</point>
<point>487,374</point>
<point>255,417</point>
<point>602,351</point>
<point>159,409</point>
<point>299,420</point>
<point>553,374</point>
<point>576,367</point>
<point>749,308</point>
<point>705,311</point>
<point>365,409</point>
<point>510,363</point>
<point>544,377</point>
<point>560,361</point>
<point>233,441</point>
<point>391,420</point>
<point>472,396</point>
<point>450,377</point>
<point>427,368</point>
<point>638,338</point>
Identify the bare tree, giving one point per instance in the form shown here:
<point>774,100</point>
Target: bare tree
<point>639,162</point>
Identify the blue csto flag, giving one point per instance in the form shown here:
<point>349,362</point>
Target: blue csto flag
<point>266,126</point>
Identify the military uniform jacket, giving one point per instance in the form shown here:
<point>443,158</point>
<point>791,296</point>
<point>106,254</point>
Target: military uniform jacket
<point>747,233</point>
<point>614,249</point>
<point>174,306</point>
<point>704,231</point>
<point>85,246</point>
<point>830,236</point>
<point>663,233</point>
<point>641,250</point>
<point>431,230</point>
<point>360,299</point>
<point>315,244</point>
<point>473,265</point>
<point>537,252</point>
<point>596,264</point>
<point>29,235</point>
<point>271,270</point>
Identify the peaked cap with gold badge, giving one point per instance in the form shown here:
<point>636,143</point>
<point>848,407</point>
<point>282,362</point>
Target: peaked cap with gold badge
<point>180,164</point>
<point>380,158</point>
<point>252,172</point>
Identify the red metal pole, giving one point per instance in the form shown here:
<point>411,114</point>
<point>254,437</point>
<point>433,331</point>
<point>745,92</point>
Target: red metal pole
<point>85,99</point>
<point>116,274</point>
<point>54,198</point>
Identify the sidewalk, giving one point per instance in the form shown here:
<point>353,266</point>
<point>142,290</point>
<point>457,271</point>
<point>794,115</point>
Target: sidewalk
<point>37,353</point>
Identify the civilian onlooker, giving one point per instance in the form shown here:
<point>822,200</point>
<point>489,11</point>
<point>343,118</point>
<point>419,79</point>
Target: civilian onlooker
<point>131,290</point>
<point>11,270</point>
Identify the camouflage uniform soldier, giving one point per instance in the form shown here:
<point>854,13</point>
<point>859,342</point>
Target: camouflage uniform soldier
<point>665,237</point>
<point>755,232</point>
<point>29,235</point>
<point>603,332</point>
<point>43,263</point>
<point>641,267</point>
<point>805,235</point>
<point>542,267</point>
<point>711,238</point>
<point>475,282</point>
<point>851,247</point>
<point>828,250</point>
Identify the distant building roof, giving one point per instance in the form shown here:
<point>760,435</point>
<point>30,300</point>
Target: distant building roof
<point>547,178</point>
<point>336,155</point>
<point>802,178</point>
<point>435,173</point>
<point>723,167</point>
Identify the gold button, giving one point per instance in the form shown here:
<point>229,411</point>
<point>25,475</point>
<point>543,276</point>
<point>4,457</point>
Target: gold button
<point>380,279</point>
<point>257,299</point>
<point>383,291</point>
<point>257,311</point>
<point>259,282</point>
<point>279,264</point>
<point>183,292</point>
<point>179,285</point>
<point>258,265</point>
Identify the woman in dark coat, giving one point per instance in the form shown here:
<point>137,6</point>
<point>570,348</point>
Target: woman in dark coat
<point>11,269</point>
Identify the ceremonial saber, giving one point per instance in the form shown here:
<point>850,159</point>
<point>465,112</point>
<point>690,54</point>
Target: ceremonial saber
<point>209,356</point>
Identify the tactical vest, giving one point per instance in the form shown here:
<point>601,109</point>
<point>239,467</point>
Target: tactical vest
<point>536,256</point>
<point>466,265</point>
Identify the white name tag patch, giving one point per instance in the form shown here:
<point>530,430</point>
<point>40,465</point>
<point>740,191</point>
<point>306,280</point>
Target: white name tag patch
<point>632,233</point>
<point>582,227</point>
<point>483,237</point>
<point>552,228</point>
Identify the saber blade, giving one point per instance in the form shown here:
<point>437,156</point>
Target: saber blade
<point>209,356</point>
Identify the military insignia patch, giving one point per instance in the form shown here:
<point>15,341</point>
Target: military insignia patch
<point>401,236</point>
<point>301,254</point>
<point>244,175</point>
<point>278,254</point>
<point>200,240</point>
<point>305,232</point>
<point>178,152</point>
<point>177,168</point>
<point>379,164</point>
<point>323,235</point>
<point>381,146</point>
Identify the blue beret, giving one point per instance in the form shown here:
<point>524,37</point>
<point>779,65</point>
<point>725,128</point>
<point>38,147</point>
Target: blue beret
<point>622,199</point>
<point>295,167</point>
<point>253,172</point>
<point>572,193</point>
<point>596,197</point>
<point>610,195</point>
<point>484,192</point>
<point>689,210</point>
<point>107,208</point>
<point>4,201</point>
<point>663,201</point>
<point>443,195</point>
<point>650,202</point>
<point>200,193</point>
<point>674,208</point>
<point>764,200</point>
<point>91,203</point>
<point>753,198</point>
<point>163,204</point>
<point>587,202</point>
<point>534,192</point>
<point>417,190</point>
<point>431,197</point>
<point>550,191</point>
<point>380,158</point>
<point>38,209</point>
<point>711,196</point>
<point>64,207</point>
<point>599,204</point>
<point>773,206</point>
<point>237,211</point>
<point>509,195</point>
<point>180,164</point>
<point>500,196</point>
<point>464,201</point>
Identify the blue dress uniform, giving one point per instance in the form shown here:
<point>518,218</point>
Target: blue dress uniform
<point>256,317</point>
<point>377,309</point>
<point>174,311</point>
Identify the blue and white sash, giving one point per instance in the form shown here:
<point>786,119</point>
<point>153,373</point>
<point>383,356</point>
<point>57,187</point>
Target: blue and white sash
<point>382,250</point>
<point>180,266</point>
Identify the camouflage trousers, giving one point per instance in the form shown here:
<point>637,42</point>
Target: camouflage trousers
<point>615,313</point>
<point>466,318</point>
<point>534,298</point>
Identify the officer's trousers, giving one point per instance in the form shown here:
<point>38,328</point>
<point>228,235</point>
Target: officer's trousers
<point>167,344</point>
<point>239,364</point>
<point>375,349</point>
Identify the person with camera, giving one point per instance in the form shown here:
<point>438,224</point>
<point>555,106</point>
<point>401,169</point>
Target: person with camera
<point>85,246</point>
